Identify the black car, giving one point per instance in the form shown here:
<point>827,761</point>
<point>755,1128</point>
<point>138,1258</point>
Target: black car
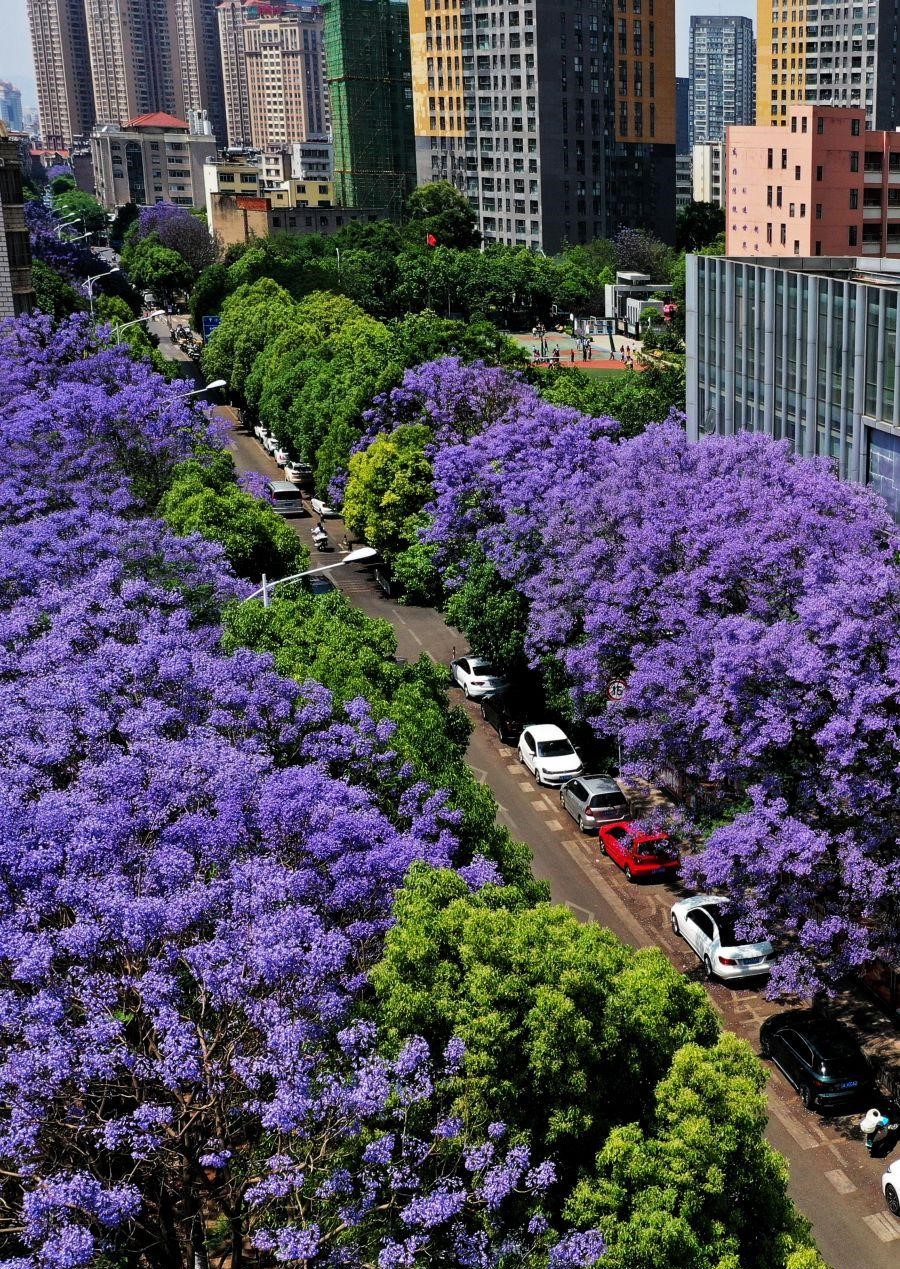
<point>507,711</point>
<point>819,1057</point>
<point>319,584</point>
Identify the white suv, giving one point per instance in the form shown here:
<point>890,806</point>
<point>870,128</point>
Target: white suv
<point>549,754</point>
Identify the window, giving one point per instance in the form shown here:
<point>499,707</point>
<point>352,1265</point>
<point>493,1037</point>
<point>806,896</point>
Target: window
<point>802,209</point>
<point>790,209</point>
<point>819,172</point>
<point>778,196</point>
<point>851,236</point>
<point>769,234</point>
<point>797,172</point>
<point>793,123</point>
<point>803,124</point>
<point>820,125</point>
<point>854,199</point>
<point>796,247</point>
<point>854,161</point>
<point>784,235</point>
<point>854,127</point>
<point>818,211</point>
<point>784,158</point>
<point>818,248</point>
<point>770,158</point>
<point>769,196</point>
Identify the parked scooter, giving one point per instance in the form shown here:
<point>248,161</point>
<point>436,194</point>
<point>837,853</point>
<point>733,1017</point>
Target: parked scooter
<point>320,538</point>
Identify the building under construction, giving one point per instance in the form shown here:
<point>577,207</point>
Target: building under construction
<point>370,87</point>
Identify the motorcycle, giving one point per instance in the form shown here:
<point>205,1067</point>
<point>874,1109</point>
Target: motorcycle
<point>320,539</point>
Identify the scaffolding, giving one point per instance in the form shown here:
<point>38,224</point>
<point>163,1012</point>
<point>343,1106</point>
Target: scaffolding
<point>370,88</point>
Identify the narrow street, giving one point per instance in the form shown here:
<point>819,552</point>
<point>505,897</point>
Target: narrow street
<point>833,1181</point>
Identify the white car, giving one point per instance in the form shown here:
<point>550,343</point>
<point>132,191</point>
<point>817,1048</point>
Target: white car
<point>476,676</point>
<point>321,508</point>
<point>270,444</point>
<point>705,923</point>
<point>260,431</point>
<point>549,754</point>
<point>281,455</point>
<point>890,1185</point>
<point>297,471</point>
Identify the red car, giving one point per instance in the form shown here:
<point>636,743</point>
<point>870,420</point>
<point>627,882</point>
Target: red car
<point>638,854</point>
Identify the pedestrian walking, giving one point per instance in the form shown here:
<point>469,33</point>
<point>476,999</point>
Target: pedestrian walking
<point>572,356</point>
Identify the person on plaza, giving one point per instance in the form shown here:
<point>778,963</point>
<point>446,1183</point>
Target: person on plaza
<point>572,356</point>
<point>556,354</point>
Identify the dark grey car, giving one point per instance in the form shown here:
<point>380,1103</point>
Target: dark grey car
<point>594,800</point>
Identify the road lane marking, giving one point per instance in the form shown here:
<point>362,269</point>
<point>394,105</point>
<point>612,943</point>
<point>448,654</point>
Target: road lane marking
<point>576,907</point>
<point>555,825</point>
<point>883,1227</point>
<point>840,1181</point>
<point>524,785</point>
<point>805,1140</point>
<point>416,637</point>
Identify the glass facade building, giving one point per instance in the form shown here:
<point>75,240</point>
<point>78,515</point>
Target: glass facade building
<point>806,353</point>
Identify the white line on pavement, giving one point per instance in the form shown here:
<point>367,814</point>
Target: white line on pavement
<point>883,1227</point>
<point>840,1181</point>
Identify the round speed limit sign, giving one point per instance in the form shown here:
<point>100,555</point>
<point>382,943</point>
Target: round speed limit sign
<point>615,689</point>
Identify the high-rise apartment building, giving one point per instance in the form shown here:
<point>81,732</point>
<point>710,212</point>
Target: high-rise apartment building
<point>11,106</point>
<point>154,55</point>
<point>722,76</point>
<point>682,115</point>
<point>370,97</point>
<point>558,122</point>
<point>843,55</point>
<point>273,68</point>
<point>16,291</point>
<point>62,69</point>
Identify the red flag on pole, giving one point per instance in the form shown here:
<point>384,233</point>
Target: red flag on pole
<point>430,240</point>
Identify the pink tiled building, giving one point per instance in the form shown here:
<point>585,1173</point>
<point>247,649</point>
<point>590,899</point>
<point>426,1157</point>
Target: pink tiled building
<point>822,186</point>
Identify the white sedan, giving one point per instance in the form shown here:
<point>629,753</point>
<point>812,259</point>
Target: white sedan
<point>476,676</point>
<point>297,471</point>
<point>890,1185</point>
<point>260,431</point>
<point>281,456</point>
<point>270,443</point>
<point>706,924</point>
<point>549,754</point>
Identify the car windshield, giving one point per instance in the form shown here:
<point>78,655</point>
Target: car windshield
<point>484,668</point>
<point>555,748</point>
<point>845,1064</point>
<point>602,801</point>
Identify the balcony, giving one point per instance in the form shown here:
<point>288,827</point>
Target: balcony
<point>873,178</point>
<point>871,213</point>
<point>870,249</point>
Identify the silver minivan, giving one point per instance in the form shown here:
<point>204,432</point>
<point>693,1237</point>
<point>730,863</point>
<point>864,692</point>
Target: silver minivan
<point>286,497</point>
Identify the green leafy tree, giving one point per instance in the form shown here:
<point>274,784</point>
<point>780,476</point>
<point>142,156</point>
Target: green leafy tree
<point>62,184</point>
<point>566,1029</point>
<point>153,267</point>
<point>74,202</point>
<point>209,293</point>
<point>441,210</point>
<point>697,1186</point>
<point>634,400</point>
<point>251,318</point>
<point>53,294</point>
<point>387,487</point>
<point>124,218</point>
<point>698,225</point>
<point>490,613</point>
<point>255,538</point>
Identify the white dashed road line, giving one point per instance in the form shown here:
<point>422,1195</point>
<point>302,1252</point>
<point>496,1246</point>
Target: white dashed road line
<point>840,1181</point>
<point>884,1227</point>
<point>805,1140</point>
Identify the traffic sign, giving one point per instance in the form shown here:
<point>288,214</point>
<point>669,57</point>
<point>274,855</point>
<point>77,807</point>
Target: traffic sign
<point>209,324</point>
<point>615,689</point>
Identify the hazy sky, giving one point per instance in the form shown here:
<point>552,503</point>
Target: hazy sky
<point>15,46</point>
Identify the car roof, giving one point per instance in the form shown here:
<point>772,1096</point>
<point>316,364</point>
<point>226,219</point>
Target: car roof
<point>600,784</point>
<point>283,486</point>
<point>547,731</point>
<point>823,1033</point>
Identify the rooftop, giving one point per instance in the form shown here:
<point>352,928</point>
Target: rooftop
<point>159,119</point>
<point>873,270</point>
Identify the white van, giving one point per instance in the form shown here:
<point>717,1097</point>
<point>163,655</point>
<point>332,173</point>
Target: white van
<point>286,497</point>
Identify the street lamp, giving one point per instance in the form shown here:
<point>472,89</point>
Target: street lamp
<point>96,278</point>
<point>354,557</point>
<point>147,317</point>
<point>198,392</point>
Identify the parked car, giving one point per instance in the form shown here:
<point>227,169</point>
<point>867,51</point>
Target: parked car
<point>890,1185</point>
<point>639,854</point>
<point>592,800</point>
<point>476,676</point>
<point>507,711</point>
<point>321,508</point>
<point>270,443</point>
<point>299,473</point>
<point>706,924</point>
<point>281,455</point>
<point>319,584</point>
<point>260,431</point>
<point>820,1057</point>
<point>549,754</point>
